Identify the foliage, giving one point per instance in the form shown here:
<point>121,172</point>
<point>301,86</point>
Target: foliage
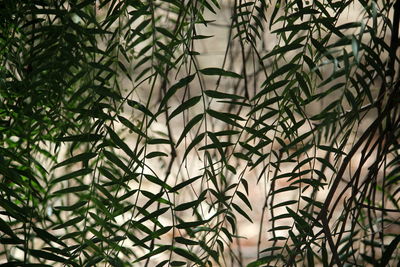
<point>120,147</point>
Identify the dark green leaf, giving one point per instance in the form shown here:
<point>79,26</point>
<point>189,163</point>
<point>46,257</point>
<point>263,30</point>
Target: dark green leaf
<point>81,138</point>
<point>46,255</point>
<point>156,154</point>
<point>114,159</point>
<point>244,214</point>
<point>221,95</point>
<point>71,207</point>
<point>154,214</point>
<point>184,183</point>
<point>220,72</point>
<point>142,108</point>
<point>186,241</point>
<point>156,180</point>
<point>187,254</point>
<point>303,225</point>
<point>159,141</point>
<point>153,252</point>
<point>185,105</point>
<point>244,199</point>
<point>131,126</point>
<point>182,83</point>
<point>303,84</point>
<point>71,175</point>
<point>223,117</point>
<point>387,255</point>
<point>73,221</point>
<point>157,234</point>
<point>78,158</point>
<point>189,126</point>
<point>72,189</point>
<point>46,236</point>
<point>5,228</point>
<point>195,141</point>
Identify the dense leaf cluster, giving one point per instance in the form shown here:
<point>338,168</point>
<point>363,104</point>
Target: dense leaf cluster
<point>120,146</point>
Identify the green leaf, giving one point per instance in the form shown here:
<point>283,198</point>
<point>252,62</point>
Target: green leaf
<point>46,255</point>
<point>80,138</point>
<point>320,46</point>
<point>121,144</point>
<point>296,141</point>
<point>195,141</point>
<point>303,225</point>
<point>46,236</point>
<point>131,126</point>
<point>173,89</point>
<point>266,104</point>
<point>154,214</point>
<point>185,105</point>
<point>331,149</point>
<point>154,252</point>
<point>142,108</point>
<point>217,145</point>
<point>190,204</point>
<point>73,221</point>
<point>178,263</point>
<point>187,254</point>
<point>244,199</point>
<point>114,159</point>
<point>220,72</point>
<point>223,117</point>
<point>282,50</point>
<point>227,234</point>
<point>185,206</point>
<point>6,229</point>
<point>78,173</point>
<point>244,214</point>
<point>73,189</point>
<point>157,234</point>
<point>186,225</point>
<point>270,88</point>
<point>326,163</point>
<point>86,156</point>
<point>104,191</point>
<point>159,141</point>
<point>197,37</point>
<point>185,183</point>
<point>166,33</point>
<point>156,154</point>
<point>189,126</point>
<point>290,67</point>
<point>303,84</point>
<point>106,92</point>
<point>156,180</point>
<point>245,185</point>
<point>266,259</point>
<point>221,95</point>
<point>389,250</point>
<point>102,209</point>
<point>185,241</point>
<point>293,28</point>
<point>284,203</point>
<point>161,264</point>
<point>71,207</point>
